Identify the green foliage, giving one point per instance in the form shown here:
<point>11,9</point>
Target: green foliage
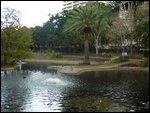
<point>114,59</point>
<point>97,18</point>
<point>89,20</point>
<point>51,34</point>
<point>117,59</point>
<point>102,24</point>
<point>140,13</point>
<point>102,27</point>
<point>142,32</point>
<point>142,25</point>
<point>81,19</point>
<point>38,37</point>
<point>15,40</point>
<point>49,50</point>
<point>15,44</point>
<point>54,54</point>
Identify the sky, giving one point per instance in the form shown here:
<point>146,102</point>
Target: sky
<point>34,12</point>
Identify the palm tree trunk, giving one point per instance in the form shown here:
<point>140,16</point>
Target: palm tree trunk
<point>86,49</point>
<point>96,46</point>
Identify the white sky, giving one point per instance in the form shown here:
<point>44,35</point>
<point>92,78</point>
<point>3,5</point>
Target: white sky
<point>34,12</point>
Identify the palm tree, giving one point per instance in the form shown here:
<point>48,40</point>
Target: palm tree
<point>82,19</point>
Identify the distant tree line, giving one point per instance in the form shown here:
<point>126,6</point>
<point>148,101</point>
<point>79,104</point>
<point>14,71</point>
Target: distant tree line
<point>86,29</point>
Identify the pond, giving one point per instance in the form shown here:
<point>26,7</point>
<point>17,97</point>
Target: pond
<point>36,88</point>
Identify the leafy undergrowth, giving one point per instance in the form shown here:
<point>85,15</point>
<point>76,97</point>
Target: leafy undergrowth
<point>54,54</point>
<point>116,59</point>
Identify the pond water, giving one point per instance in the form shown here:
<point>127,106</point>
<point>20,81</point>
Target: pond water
<point>37,89</point>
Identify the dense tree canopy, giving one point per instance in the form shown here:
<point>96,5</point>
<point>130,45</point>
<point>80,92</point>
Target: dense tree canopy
<point>15,40</point>
<point>94,24</point>
<point>142,25</point>
<point>51,35</point>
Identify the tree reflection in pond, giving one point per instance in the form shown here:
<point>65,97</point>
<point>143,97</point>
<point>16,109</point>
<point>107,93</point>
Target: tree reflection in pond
<point>47,90</point>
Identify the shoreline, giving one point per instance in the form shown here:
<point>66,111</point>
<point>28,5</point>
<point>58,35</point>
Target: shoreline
<point>58,61</point>
<point>74,68</point>
<point>77,70</point>
<point>7,68</point>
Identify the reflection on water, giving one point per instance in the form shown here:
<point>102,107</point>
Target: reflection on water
<point>38,89</point>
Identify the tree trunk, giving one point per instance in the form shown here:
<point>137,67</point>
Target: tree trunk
<point>86,49</point>
<point>117,51</point>
<point>5,60</point>
<point>131,49</point>
<point>96,46</point>
<point>6,54</point>
<point>97,52</point>
<point>134,23</point>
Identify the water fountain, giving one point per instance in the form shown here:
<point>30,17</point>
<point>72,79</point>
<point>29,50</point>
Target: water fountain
<point>20,64</point>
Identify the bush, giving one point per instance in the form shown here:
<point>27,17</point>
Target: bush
<point>118,59</point>
<point>49,50</point>
<point>54,54</point>
<point>114,59</point>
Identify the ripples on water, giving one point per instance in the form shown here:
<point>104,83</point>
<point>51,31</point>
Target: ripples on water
<point>39,89</point>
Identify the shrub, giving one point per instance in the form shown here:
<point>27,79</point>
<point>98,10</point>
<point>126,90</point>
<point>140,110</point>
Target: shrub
<point>118,59</point>
<point>114,59</point>
<point>49,50</point>
<point>54,54</point>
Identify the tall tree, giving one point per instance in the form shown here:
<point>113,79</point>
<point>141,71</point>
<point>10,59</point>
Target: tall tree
<point>132,18</point>
<point>141,29</point>
<point>119,32</point>
<point>15,40</point>
<point>101,27</point>
<point>81,20</point>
